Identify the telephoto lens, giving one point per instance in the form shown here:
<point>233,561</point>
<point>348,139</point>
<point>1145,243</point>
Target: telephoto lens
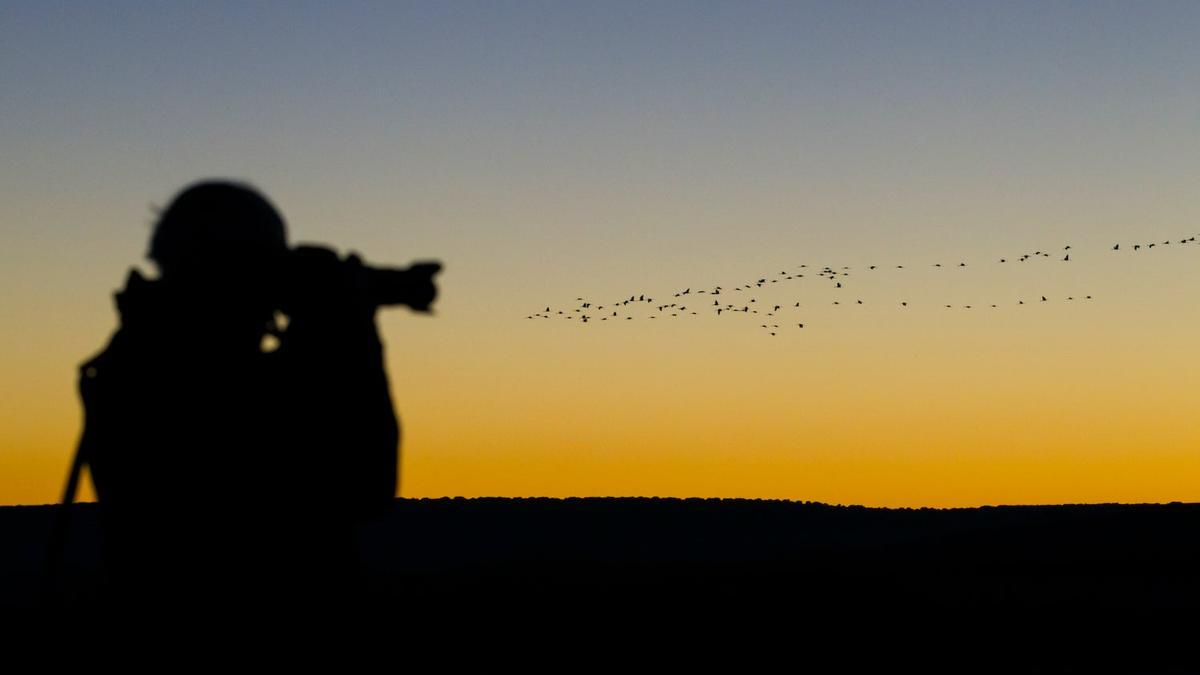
<point>412,286</point>
<point>307,270</point>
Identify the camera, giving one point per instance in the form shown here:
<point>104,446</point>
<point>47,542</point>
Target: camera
<point>315,274</point>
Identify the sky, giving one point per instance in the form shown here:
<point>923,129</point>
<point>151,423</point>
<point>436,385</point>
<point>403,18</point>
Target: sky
<point>553,151</point>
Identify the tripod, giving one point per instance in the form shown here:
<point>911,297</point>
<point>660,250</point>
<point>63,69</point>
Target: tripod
<point>56,545</point>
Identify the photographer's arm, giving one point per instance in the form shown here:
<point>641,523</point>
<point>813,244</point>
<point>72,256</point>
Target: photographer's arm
<point>348,434</point>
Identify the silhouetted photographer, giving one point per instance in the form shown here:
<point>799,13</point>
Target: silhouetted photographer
<point>239,424</point>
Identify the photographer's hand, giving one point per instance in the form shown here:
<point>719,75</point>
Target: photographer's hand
<point>317,282</point>
<point>332,361</point>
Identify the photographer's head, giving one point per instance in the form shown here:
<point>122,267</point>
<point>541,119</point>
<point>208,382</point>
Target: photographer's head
<point>218,244</point>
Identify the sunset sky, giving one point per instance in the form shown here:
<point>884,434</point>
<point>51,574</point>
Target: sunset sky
<point>547,151</point>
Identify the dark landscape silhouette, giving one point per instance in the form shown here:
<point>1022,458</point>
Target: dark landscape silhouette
<point>584,555</point>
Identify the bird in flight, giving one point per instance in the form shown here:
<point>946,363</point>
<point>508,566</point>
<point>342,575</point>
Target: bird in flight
<point>827,272</point>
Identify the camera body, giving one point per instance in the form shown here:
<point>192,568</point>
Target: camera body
<point>313,274</point>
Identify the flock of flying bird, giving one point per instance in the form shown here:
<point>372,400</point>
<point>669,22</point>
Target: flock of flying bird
<point>687,302</point>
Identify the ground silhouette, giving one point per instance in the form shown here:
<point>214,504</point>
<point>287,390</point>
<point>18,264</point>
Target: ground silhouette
<point>626,554</point>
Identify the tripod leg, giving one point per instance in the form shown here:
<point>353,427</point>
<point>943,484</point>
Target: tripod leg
<point>57,543</point>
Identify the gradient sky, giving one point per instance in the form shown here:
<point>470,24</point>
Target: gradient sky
<point>548,151</point>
